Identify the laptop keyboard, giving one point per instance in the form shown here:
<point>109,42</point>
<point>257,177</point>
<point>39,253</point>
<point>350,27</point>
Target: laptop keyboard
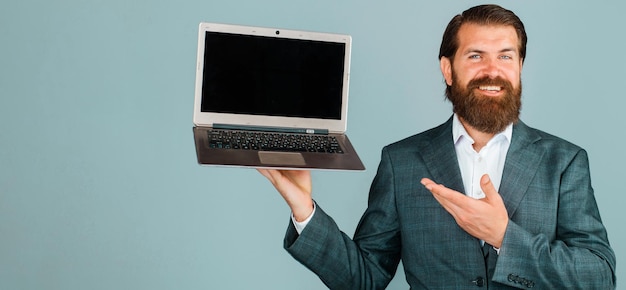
<point>270,141</point>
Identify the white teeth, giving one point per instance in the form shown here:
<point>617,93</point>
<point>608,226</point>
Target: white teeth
<point>490,88</point>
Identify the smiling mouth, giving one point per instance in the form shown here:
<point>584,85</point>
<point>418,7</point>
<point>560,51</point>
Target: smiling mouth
<point>490,88</point>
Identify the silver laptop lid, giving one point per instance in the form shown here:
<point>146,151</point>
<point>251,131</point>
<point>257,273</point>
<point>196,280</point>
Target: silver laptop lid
<point>254,76</point>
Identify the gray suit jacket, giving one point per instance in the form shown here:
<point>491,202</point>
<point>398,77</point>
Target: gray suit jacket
<point>555,238</point>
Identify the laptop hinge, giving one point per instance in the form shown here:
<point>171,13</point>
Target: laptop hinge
<point>271,129</point>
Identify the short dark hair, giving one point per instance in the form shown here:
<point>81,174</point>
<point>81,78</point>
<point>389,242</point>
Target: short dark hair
<point>481,15</point>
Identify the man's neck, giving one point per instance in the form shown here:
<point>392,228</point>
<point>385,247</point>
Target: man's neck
<point>480,138</point>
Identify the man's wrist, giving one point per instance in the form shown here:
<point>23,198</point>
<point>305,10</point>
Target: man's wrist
<point>302,213</point>
<point>301,225</point>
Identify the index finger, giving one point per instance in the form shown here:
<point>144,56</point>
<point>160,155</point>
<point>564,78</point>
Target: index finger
<point>442,191</point>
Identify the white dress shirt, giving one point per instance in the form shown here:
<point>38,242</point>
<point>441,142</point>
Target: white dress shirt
<point>473,165</point>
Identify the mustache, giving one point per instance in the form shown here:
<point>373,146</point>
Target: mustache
<point>487,81</point>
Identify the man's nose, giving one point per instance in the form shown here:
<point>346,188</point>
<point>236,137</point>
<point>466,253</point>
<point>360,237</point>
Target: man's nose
<point>491,69</point>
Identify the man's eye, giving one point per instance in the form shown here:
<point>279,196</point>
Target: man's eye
<point>506,57</point>
<point>474,56</point>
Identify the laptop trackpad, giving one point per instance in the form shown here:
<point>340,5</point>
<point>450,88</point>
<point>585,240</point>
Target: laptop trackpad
<point>282,158</point>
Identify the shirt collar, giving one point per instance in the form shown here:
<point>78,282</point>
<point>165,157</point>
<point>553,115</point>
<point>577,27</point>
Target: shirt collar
<point>459,132</point>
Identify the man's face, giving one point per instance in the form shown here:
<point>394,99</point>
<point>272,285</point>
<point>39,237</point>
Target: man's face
<point>485,77</point>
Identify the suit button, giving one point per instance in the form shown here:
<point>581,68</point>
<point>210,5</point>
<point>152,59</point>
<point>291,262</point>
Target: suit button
<point>479,281</point>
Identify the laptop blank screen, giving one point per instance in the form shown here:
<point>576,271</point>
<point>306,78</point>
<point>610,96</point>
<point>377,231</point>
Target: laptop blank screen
<point>257,75</point>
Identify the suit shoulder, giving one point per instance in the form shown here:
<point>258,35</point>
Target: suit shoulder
<point>550,140</point>
<point>556,149</point>
<point>418,140</point>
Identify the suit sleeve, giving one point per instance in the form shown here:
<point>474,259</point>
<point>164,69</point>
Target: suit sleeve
<point>370,260</point>
<point>578,257</point>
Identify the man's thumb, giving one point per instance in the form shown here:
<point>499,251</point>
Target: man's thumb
<point>487,186</point>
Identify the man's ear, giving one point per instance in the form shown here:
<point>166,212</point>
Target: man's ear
<point>446,69</point>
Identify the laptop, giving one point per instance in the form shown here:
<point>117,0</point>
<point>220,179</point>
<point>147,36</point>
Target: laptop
<point>272,98</point>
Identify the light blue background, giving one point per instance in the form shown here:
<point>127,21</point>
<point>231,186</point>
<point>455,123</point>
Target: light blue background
<point>99,186</point>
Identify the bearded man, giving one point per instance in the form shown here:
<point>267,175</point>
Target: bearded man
<point>481,200</point>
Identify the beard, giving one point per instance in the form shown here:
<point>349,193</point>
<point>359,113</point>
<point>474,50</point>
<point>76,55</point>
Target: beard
<point>485,113</point>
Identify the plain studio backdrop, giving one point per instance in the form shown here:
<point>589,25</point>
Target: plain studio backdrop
<point>99,185</point>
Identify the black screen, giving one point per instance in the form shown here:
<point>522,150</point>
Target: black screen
<point>257,75</point>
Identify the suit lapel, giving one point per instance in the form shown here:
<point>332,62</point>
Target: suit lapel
<point>520,166</point>
<point>440,157</point>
